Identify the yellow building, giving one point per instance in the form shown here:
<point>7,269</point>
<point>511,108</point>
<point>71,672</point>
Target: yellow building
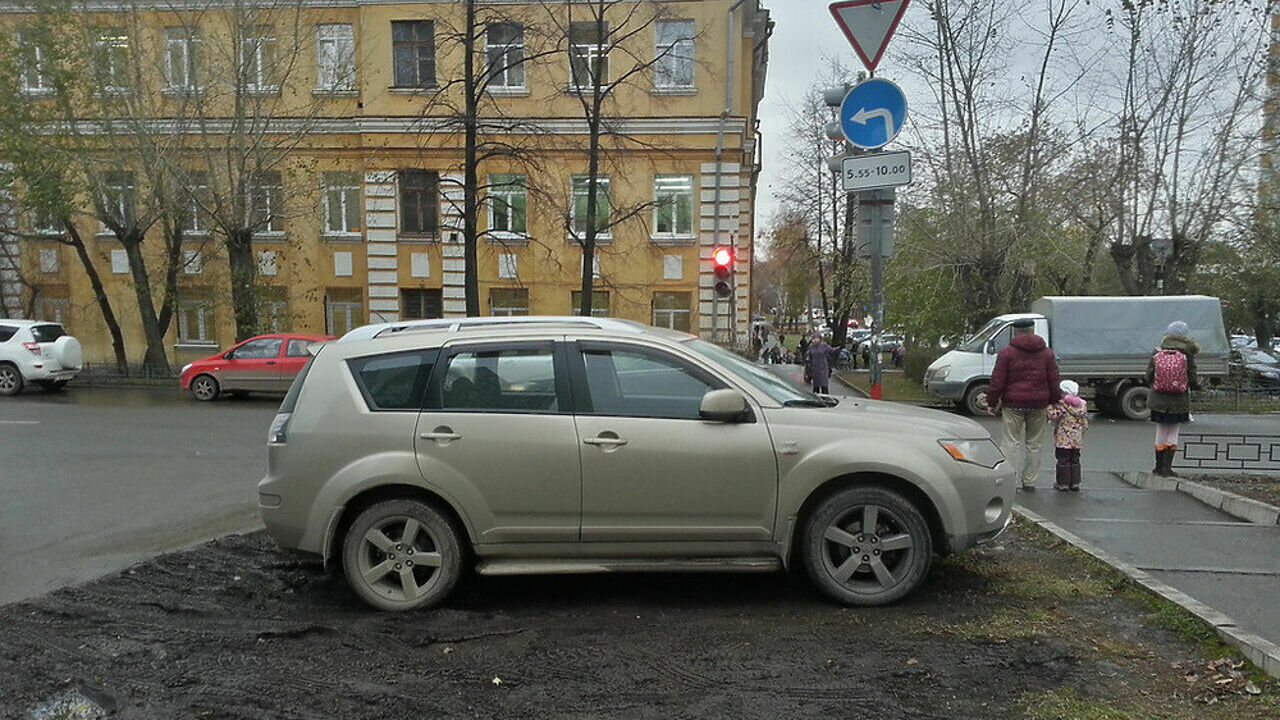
<point>364,204</point>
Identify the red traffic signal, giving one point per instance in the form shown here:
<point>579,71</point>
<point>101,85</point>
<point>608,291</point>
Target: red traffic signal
<point>722,258</point>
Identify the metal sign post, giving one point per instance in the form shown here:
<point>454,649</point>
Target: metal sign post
<point>878,205</point>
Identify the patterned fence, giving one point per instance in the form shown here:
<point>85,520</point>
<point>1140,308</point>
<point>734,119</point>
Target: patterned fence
<point>1228,452</point>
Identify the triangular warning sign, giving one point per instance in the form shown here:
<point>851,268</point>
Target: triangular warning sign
<point>868,24</point>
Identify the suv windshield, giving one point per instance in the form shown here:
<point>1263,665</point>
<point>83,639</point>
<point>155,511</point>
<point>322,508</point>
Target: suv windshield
<point>47,333</point>
<point>759,378</point>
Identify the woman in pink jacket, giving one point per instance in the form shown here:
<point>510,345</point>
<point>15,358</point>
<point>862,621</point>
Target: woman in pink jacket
<point>1070,418</point>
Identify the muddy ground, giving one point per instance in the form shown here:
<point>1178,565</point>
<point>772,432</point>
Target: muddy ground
<point>1265,488</point>
<point>233,629</point>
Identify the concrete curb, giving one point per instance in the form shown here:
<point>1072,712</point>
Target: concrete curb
<point>856,390</point>
<point>1260,651</point>
<point>1243,508</point>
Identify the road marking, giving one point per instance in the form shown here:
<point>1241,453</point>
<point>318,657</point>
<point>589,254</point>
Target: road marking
<point>1212,571</point>
<point>19,422</point>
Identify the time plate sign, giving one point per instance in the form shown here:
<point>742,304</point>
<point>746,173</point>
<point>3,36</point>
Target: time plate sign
<point>875,170</point>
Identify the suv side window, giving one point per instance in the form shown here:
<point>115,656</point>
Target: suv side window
<point>258,349</point>
<point>636,382</point>
<point>519,379</point>
<point>394,381</point>
<point>7,332</point>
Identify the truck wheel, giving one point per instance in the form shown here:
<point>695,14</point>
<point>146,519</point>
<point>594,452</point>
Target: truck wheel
<point>975,399</point>
<point>1133,402</point>
<point>867,546</point>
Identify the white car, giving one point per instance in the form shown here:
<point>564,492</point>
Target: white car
<point>35,351</point>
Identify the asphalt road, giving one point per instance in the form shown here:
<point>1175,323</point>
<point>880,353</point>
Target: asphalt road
<point>94,480</point>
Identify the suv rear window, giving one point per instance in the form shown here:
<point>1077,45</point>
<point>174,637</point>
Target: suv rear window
<point>47,333</point>
<point>395,381</point>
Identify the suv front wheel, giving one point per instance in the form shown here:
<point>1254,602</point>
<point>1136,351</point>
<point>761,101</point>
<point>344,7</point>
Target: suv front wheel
<point>867,546</point>
<point>401,555</point>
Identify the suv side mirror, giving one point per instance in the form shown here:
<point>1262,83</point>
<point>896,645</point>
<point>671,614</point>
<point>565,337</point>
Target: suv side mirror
<point>723,406</point>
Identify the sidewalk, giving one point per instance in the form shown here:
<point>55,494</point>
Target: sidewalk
<point>1230,565</point>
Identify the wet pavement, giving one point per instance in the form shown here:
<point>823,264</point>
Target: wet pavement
<point>95,479</point>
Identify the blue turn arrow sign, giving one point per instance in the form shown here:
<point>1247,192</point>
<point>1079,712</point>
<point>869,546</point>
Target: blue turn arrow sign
<point>873,113</point>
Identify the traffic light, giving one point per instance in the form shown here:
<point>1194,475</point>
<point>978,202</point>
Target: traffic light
<point>722,259</point>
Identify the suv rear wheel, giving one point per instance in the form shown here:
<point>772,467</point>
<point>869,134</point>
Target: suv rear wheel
<point>867,546</point>
<point>10,379</point>
<point>401,555</point>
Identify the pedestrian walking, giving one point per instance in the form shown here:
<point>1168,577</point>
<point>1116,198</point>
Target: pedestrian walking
<point>1171,373</point>
<point>1024,383</point>
<point>818,364</point>
<point>1070,418</point>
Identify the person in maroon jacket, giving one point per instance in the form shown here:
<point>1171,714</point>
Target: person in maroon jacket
<point>1024,384</point>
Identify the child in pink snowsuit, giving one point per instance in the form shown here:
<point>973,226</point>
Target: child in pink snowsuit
<point>1069,421</point>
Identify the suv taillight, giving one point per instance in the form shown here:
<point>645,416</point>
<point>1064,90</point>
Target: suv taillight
<point>33,347</point>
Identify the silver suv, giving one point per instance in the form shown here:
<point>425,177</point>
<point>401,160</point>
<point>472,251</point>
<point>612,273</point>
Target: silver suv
<point>572,445</point>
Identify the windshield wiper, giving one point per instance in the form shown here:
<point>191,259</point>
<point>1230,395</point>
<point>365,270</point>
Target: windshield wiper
<point>810,402</point>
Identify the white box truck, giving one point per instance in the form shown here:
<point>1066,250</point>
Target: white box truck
<point>1103,343</point>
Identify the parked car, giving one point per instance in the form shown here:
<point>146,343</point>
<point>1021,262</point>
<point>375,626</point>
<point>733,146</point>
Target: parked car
<point>35,351</point>
<point>569,445</point>
<point>1257,368</point>
<point>266,363</point>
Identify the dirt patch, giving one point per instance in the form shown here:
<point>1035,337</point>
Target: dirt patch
<point>233,629</point>
<point>1257,487</point>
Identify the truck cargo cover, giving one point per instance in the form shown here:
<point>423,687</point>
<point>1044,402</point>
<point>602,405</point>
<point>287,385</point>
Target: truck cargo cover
<point>1114,326</point>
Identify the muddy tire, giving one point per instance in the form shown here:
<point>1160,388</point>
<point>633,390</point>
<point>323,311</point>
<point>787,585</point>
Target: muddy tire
<point>1132,402</point>
<point>867,546</point>
<point>975,399</point>
<point>10,379</point>
<point>204,388</point>
<point>401,555</point>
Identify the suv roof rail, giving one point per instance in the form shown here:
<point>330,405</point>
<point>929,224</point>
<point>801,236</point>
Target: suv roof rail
<point>376,330</point>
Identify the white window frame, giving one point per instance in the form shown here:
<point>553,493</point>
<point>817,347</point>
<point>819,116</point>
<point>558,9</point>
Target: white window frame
<point>39,226</point>
<point>665,186</point>
<point>602,191</point>
<point>335,58</point>
<point>273,201</point>
<point>342,188</point>
<point>508,266</point>
<point>592,54</point>
<point>196,222</point>
<point>350,310</point>
<point>258,45</point>
<point>186,42</point>
<point>119,198</point>
<point>498,55</point>
<point>673,56</point>
<point>34,80</point>
<point>203,321</point>
<point>665,317</point>
<point>505,188</point>
<point>112,47</point>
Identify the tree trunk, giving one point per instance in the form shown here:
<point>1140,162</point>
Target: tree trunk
<point>156,361</point>
<point>244,272</point>
<point>100,295</point>
<point>173,258</point>
<point>470,183</point>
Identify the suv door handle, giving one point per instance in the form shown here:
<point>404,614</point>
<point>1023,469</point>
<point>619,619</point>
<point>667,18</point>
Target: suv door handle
<point>439,434</point>
<point>610,441</point>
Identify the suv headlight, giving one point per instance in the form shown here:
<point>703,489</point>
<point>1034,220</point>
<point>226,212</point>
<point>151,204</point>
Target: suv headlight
<point>984,452</point>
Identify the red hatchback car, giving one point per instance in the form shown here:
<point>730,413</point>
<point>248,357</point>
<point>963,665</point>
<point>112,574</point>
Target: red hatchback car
<point>266,363</point>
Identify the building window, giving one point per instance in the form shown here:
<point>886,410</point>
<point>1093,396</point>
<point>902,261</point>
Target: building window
<point>118,197</point>
<point>507,302</point>
<point>273,310</point>
<point>507,205</point>
<point>196,220</point>
<point>673,206</point>
<point>419,205</point>
<point>413,48</point>
<point>53,305</point>
<point>48,260</point>
<point>111,60</point>
<point>579,205</point>
<point>195,322</point>
<point>181,53</point>
<point>192,262</point>
<point>35,78</point>
<point>45,222</point>
<point>599,303</point>
<point>335,57</point>
<point>671,310</point>
<point>258,60</point>
<point>508,267</point>
<point>673,54</point>
<point>341,203</point>
<point>343,310</point>
<point>420,304</point>
<point>504,55</point>
<point>266,198</point>
<point>588,54</point>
